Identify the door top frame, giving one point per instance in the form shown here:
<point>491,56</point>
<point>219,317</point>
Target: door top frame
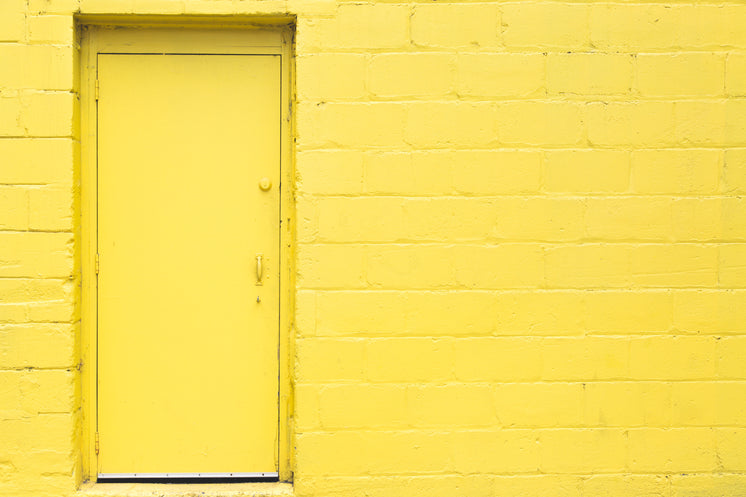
<point>189,40</point>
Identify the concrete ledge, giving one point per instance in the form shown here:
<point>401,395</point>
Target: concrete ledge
<point>185,490</point>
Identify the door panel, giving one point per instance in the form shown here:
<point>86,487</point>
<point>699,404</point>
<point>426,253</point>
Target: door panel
<point>187,340</point>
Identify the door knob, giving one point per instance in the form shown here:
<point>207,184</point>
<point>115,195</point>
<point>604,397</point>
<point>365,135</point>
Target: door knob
<point>265,184</point>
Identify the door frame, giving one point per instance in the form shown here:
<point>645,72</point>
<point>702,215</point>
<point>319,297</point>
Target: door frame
<point>271,36</point>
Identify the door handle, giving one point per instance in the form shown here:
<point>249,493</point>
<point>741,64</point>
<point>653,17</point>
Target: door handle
<point>259,269</point>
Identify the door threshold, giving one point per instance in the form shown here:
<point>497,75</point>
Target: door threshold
<point>187,477</point>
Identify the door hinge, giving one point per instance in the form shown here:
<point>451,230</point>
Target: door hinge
<point>96,89</point>
<point>97,264</point>
<point>96,443</point>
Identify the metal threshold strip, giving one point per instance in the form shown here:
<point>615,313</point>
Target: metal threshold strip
<point>162,476</point>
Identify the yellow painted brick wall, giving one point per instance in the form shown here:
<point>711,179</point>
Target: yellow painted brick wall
<point>521,246</point>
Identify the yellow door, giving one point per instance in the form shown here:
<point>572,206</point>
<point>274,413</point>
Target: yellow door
<point>188,247</point>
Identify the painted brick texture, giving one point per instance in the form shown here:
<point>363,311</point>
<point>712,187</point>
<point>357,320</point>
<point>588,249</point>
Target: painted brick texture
<point>521,246</point>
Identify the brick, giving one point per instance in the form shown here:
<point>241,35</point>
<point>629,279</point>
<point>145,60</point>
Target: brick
<point>735,74</point>
<point>319,76</point>
<point>732,266</point>
<point>708,403</point>
<point>42,67</point>
<point>441,313</point>
<point>451,405</point>
<point>598,450</point>
<point>734,218</point>
<point>531,313</point>
<point>586,171</point>
<point>540,219</point>
<point>34,290</point>
<point>718,311</point>
<point>10,116</point>
<point>12,20</point>
<point>627,404</point>
<point>53,311</point>
<point>37,161</point>
<point>504,451</point>
<point>418,173</point>
<point>629,312</point>
<point>735,121</point>
<point>730,354</point>
<point>14,208</point>
<point>734,171</point>
<point>373,26</point>
<point>731,449</point>
<point>621,26</point>
<point>356,26</point>
<point>350,125</point>
<point>682,172</point>
<point>498,266</point>
<point>329,359</point>
<point>52,6</point>
<point>697,219</point>
<point>588,266</point>
<point>306,407</point>
<point>33,392</point>
<point>701,122</point>
<point>48,431</point>
<point>661,450</point>
<point>672,358</point>
<point>681,74</point>
<point>629,218</point>
<point>545,25</point>
<point>382,486</point>
<point>312,7</point>
<point>49,114</point>
<point>51,29</point>
<point>450,124</point>
<point>539,404</point>
<point>694,485</point>
<point>642,123</point>
<point>500,74</point>
<point>537,485</point>
<point>587,358</point>
<point>490,172</point>
<point>390,359</point>
<point>497,359</point>
<point>36,254</point>
<point>305,312</point>
<point>589,73</point>
<point>359,406</point>
<point>410,266</point>
<point>478,25</point>
<point>361,219</point>
<point>318,266</point>
<point>338,313</point>
<point>377,452</point>
<point>37,345</point>
<point>13,313</point>
<point>330,172</point>
<point>674,266</point>
<point>614,485</point>
<point>711,26</point>
<point>411,75</point>
<point>540,123</point>
<point>51,209</point>
<point>405,313</point>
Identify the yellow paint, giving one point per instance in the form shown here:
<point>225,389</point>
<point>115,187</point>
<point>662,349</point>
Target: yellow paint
<point>183,141</point>
<point>219,143</point>
<point>520,242</point>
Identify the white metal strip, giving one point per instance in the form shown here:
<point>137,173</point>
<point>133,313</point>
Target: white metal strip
<point>188,475</point>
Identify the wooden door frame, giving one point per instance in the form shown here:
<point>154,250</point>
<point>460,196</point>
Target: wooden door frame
<point>246,36</point>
